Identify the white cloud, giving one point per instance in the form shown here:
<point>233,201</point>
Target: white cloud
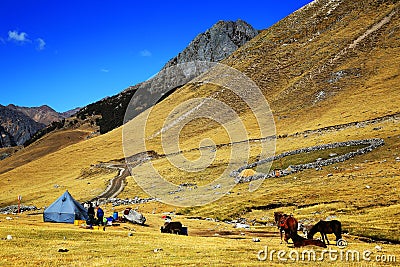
<point>105,70</point>
<point>18,37</point>
<point>40,44</point>
<point>145,53</point>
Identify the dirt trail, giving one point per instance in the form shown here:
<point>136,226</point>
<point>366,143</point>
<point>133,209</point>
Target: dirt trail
<point>116,184</point>
<point>373,28</point>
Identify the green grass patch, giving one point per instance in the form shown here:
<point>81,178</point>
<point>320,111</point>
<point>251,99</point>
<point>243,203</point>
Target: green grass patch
<point>308,157</point>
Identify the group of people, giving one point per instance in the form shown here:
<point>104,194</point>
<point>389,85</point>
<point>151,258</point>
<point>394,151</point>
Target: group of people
<point>99,219</point>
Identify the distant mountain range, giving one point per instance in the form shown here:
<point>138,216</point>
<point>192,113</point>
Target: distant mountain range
<point>19,124</point>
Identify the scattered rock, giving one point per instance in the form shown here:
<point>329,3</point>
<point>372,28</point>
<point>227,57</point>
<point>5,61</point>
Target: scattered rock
<point>378,248</point>
<point>157,250</point>
<point>242,226</point>
<point>13,209</point>
<point>330,218</point>
<point>320,96</point>
<point>128,201</point>
<point>330,174</point>
<point>216,186</point>
<point>367,186</point>
<point>256,239</point>
<point>9,237</point>
<point>63,250</point>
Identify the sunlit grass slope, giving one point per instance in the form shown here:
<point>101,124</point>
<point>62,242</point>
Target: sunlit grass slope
<point>312,77</point>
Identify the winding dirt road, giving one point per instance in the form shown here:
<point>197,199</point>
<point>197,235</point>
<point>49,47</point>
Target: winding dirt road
<point>116,184</point>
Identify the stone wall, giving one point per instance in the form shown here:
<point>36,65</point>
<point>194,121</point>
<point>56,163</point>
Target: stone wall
<point>372,144</point>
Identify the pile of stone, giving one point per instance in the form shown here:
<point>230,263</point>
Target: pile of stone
<point>129,201</point>
<point>318,164</point>
<point>13,209</point>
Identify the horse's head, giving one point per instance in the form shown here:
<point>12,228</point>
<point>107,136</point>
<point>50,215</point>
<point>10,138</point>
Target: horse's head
<point>277,216</point>
<point>282,221</point>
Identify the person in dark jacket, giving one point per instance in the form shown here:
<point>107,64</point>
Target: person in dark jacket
<point>90,220</point>
<point>100,215</point>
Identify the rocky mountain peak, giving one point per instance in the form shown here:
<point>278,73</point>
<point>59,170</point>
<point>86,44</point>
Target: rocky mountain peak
<point>15,126</point>
<point>217,43</point>
<point>19,124</point>
<point>42,114</point>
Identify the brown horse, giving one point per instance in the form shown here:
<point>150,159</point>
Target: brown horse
<point>326,227</point>
<point>300,241</point>
<point>286,223</point>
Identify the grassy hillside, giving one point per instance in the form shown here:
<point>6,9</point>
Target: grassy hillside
<point>327,64</point>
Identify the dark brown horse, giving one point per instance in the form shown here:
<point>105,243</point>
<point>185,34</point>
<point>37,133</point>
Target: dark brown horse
<point>286,223</point>
<point>326,227</point>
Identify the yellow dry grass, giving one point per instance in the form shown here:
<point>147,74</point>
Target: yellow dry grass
<point>363,193</point>
<point>35,180</point>
<point>35,243</point>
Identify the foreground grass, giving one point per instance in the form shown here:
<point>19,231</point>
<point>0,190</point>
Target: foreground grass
<point>209,243</point>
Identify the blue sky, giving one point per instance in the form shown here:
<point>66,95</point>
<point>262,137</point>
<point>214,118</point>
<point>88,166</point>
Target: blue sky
<point>71,53</point>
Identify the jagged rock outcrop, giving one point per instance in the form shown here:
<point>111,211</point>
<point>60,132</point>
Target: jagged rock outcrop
<point>217,43</point>
<point>16,127</point>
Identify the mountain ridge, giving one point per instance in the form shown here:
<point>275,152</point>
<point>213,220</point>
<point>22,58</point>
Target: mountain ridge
<point>16,127</point>
<point>215,44</point>
<point>18,124</point>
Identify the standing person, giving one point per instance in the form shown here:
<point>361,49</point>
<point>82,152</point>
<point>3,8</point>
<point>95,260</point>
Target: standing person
<point>100,215</point>
<point>91,214</point>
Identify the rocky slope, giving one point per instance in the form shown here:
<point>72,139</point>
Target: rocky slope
<point>217,43</point>
<point>19,124</point>
<point>214,45</point>
<point>43,114</point>
<point>16,127</point>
